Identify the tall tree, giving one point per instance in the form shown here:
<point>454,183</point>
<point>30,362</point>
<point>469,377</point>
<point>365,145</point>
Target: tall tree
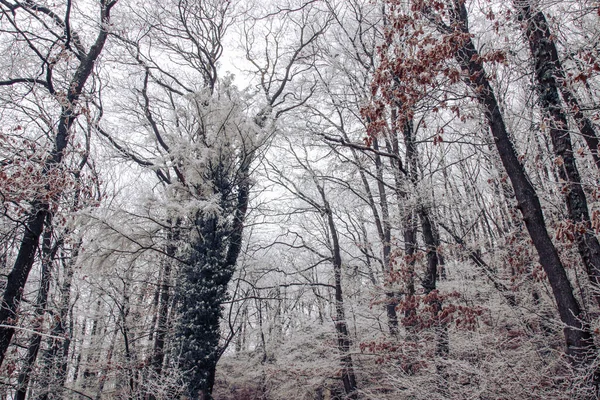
<point>319,203</point>
<point>66,92</point>
<point>207,139</point>
<point>550,82</point>
<point>421,70</point>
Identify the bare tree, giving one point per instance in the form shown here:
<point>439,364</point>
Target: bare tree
<point>454,30</point>
<point>66,91</point>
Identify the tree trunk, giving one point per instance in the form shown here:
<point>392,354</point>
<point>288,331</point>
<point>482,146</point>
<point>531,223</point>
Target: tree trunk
<point>343,339</point>
<point>431,241</point>
<point>410,250</point>
<point>164,301</point>
<point>546,58</point>
<point>40,206</point>
<point>383,230</point>
<point>92,358</point>
<point>48,254</point>
<point>579,343</point>
<point>386,239</point>
<point>56,358</point>
<point>409,217</point>
<point>19,274</point>
<point>204,287</point>
<point>547,70</point>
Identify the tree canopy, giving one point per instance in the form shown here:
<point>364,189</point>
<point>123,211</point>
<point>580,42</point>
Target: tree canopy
<point>308,199</point>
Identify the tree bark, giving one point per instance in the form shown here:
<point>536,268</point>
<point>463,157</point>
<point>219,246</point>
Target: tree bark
<point>382,223</point>
<point>579,343</point>
<point>158,355</point>
<point>204,284</point>
<point>547,70</point>
<point>343,339</point>
<point>48,254</point>
<point>409,218</point>
<point>432,244</point>
<point>40,207</point>
<point>550,75</point>
<point>386,239</point>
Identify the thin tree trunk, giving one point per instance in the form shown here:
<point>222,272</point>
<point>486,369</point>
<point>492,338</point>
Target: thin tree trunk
<point>128,345</point>
<point>155,308</point>
<point>343,339</point>
<point>429,282</point>
<point>48,254</point>
<point>56,359</point>
<point>165,300</point>
<point>92,357</point>
<point>430,238</point>
<point>392,301</point>
<point>383,230</point>
<point>410,250</point>
<point>103,375</point>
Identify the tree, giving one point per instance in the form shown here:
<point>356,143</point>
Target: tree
<point>548,71</point>
<point>422,69</point>
<point>65,89</point>
<point>207,138</point>
<point>332,239</point>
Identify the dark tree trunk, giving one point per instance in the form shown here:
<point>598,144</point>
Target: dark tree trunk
<point>585,125</point>
<point>432,244</point>
<point>550,76</point>
<point>18,276</point>
<point>429,235</point>
<point>204,284</point>
<point>201,293</point>
<point>409,217</point>
<point>410,250</point>
<point>429,284</point>
<point>343,338</point>
<point>128,345</point>
<point>48,254</point>
<point>547,70</point>
<point>40,206</point>
<point>430,280</point>
<point>579,343</point>
<point>386,238</point>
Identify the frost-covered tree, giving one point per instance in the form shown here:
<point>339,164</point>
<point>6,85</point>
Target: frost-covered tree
<point>44,94</point>
<point>205,135</point>
<point>219,174</point>
<point>373,206</point>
